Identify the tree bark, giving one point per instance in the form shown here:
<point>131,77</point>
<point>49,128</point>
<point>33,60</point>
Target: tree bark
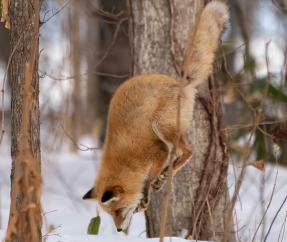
<point>76,127</point>
<point>93,86</point>
<point>199,196</point>
<point>22,16</point>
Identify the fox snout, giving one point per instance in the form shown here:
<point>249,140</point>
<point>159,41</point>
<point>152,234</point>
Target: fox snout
<point>123,219</point>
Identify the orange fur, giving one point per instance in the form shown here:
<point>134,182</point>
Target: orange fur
<point>142,124</point>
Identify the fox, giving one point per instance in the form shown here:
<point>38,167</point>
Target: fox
<point>142,124</point>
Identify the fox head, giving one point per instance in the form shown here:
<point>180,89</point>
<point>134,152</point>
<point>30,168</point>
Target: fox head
<point>116,202</point>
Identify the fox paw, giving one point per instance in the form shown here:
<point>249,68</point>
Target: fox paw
<point>160,180</point>
<point>143,205</point>
<point>157,184</point>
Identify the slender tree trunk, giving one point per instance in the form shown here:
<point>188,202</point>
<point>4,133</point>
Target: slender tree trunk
<point>199,196</point>
<point>22,16</point>
<point>93,86</point>
<point>76,122</point>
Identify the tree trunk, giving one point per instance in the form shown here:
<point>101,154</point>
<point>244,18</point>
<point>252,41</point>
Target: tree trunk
<point>159,33</point>
<point>93,86</point>
<point>76,126</point>
<point>22,15</point>
<point>4,44</point>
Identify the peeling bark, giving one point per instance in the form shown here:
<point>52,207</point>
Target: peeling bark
<point>22,14</point>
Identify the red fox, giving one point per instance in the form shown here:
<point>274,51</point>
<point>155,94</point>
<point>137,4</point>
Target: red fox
<point>142,122</point>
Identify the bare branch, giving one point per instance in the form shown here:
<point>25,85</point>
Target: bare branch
<point>113,41</point>
<point>53,15</point>
<point>74,142</point>
<point>102,12</point>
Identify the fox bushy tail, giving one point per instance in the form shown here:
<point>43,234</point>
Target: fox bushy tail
<point>203,41</point>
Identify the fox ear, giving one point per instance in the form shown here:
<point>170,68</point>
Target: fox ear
<point>113,194</point>
<point>89,194</point>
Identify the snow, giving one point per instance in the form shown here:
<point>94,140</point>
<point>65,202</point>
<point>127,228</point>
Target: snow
<point>106,238</point>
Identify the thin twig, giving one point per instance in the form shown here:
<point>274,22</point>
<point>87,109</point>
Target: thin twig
<point>273,220</point>
<point>231,51</point>
<point>75,143</point>
<point>67,78</point>
<point>102,12</point>
<point>113,41</point>
<point>44,214</point>
<point>51,230</point>
<point>43,22</point>
<point>283,226</point>
<point>242,126</point>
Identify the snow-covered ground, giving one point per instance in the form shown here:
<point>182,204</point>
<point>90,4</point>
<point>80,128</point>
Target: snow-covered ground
<point>68,176</point>
<point>103,238</point>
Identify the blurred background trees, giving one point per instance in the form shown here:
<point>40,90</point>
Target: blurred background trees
<point>85,54</point>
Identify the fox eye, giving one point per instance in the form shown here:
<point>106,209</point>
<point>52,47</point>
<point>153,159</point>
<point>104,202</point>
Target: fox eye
<point>117,212</point>
<point>188,78</point>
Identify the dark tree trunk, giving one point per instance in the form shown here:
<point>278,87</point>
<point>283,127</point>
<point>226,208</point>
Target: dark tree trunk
<point>4,44</point>
<point>22,16</point>
<point>200,186</point>
<point>115,67</point>
<point>76,127</point>
<point>93,86</point>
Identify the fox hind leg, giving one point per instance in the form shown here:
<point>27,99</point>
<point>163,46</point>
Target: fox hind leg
<point>183,152</point>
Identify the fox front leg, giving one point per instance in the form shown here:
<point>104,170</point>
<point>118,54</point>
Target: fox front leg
<point>144,202</point>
